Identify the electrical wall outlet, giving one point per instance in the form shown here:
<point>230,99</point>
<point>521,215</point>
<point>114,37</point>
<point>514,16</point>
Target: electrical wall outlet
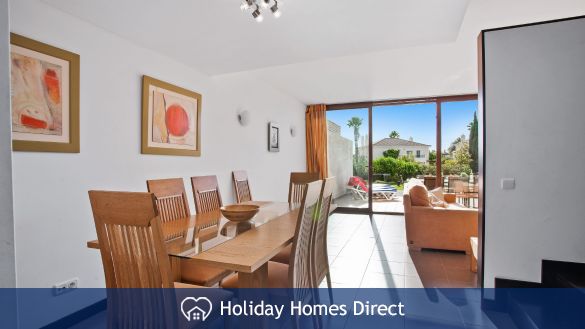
<point>65,286</point>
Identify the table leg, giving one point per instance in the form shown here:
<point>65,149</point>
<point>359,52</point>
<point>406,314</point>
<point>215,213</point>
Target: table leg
<point>256,279</point>
<point>176,268</point>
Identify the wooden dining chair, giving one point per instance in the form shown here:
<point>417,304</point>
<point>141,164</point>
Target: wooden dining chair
<point>241,186</point>
<point>134,256</point>
<point>298,181</point>
<point>171,200</point>
<point>297,184</point>
<point>297,273</point>
<point>131,241</point>
<point>206,193</point>
<point>300,264</point>
<point>172,205</point>
<point>319,242</point>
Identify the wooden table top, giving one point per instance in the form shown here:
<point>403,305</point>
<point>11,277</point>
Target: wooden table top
<point>211,239</point>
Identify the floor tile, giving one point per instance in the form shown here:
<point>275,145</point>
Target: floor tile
<point>381,280</point>
<point>385,267</point>
<point>410,269</point>
<point>458,275</point>
<point>412,282</point>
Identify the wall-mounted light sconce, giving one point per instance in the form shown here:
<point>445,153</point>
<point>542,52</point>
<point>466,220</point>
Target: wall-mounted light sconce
<point>243,117</point>
<point>293,131</point>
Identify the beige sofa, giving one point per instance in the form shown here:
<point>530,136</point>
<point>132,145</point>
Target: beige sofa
<point>438,227</point>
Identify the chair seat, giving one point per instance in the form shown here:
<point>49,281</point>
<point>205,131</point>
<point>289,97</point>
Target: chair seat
<point>277,277</point>
<point>283,256</point>
<point>181,285</point>
<point>201,275</point>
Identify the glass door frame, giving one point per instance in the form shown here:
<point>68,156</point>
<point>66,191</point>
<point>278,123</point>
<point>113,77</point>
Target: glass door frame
<point>370,105</point>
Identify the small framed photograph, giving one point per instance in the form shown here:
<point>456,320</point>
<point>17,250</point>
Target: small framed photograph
<point>45,97</point>
<point>273,137</point>
<point>171,119</point>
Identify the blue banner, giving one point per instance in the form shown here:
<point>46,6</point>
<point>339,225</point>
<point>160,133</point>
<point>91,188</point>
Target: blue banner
<point>303,308</point>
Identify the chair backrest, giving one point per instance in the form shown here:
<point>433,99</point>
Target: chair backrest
<point>457,184</point>
<point>131,242</point>
<point>430,182</point>
<point>206,193</point>
<point>298,181</point>
<point>171,200</point>
<point>300,263</point>
<point>241,186</point>
<point>319,242</point>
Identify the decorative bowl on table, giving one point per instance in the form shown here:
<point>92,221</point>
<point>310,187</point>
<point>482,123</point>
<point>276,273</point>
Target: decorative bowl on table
<point>239,212</point>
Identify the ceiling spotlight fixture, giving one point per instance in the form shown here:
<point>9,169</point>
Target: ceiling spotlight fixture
<point>258,5</point>
<point>257,15</point>
<point>246,4</point>
<point>275,11</point>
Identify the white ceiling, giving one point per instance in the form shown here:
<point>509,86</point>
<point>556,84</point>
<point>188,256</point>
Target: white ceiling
<point>215,37</point>
<point>429,70</point>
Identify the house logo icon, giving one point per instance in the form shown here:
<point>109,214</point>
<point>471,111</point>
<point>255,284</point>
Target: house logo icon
<point>196,309</point>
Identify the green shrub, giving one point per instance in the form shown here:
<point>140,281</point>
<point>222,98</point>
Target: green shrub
<point>399,170</point>
<point>452,167</point>
<point>391,153</point>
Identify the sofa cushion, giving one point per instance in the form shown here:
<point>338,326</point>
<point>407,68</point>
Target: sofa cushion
<point>437,194</point>
<point>419,196</point>
<point>437,198</point>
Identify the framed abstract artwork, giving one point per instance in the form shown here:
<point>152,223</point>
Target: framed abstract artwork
<point>171,119</point>
<point>273,137</point>
<point>45,97</point>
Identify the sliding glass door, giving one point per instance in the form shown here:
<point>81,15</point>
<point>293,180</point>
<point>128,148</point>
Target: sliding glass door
<point>348,156</point>
<point>459,158</point>
<point>403,147</point>
<point>374,148</point>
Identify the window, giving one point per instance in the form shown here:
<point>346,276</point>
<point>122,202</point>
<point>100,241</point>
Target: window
<point>418,155</point>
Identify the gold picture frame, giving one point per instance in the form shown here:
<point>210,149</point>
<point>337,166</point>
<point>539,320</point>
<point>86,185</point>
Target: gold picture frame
<point>171,119</point>
<point>45,114</point>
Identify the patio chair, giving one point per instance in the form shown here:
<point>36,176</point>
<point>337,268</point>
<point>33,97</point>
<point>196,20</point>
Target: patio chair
<point>359,189</point>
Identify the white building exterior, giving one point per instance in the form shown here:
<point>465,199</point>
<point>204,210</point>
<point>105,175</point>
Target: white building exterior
<point>419,151</point>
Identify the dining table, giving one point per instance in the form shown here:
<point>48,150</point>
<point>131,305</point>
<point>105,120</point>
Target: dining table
<point>210,239</point>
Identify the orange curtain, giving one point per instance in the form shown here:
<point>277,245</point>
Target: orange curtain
<point>316,136</point>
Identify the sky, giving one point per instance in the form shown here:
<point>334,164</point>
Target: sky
<point>411,120</point>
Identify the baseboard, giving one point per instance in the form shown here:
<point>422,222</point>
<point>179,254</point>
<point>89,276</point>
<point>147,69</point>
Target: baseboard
<point>79,316</point>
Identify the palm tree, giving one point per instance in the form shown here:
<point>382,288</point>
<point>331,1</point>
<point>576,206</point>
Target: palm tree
<point>355,122</point>
<point>394,134</point>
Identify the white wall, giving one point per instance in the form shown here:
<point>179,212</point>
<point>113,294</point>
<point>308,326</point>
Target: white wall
<point>340,158</point>
<point>7,269</point>
<point>535,117</point>
<point>52,211</point>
